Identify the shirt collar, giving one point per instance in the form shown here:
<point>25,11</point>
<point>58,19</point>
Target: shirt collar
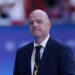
<point>43,43</point>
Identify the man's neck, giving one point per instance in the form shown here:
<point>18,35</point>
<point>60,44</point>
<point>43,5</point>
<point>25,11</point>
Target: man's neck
<point>40,39</point>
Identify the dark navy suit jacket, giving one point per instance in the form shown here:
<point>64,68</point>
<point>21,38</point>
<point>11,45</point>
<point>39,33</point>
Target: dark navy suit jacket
<point>56,60</point>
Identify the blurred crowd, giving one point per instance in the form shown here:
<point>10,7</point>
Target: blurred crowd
<point>16,12</point>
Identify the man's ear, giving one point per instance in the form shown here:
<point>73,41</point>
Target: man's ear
<point>49,23</point>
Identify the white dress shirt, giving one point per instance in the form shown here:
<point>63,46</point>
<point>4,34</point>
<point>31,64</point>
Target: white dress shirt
<point>43,44</point>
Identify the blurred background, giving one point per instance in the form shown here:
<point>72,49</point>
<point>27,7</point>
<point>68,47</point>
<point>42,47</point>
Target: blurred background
<point>14,31</point>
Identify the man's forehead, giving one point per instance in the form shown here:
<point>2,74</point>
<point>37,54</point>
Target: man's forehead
<point>36,17</point>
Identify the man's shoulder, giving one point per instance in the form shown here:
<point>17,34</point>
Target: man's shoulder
<point>54,42</point>
<point>59,48</point>
<point>26,47</point>
<point>58,45</point>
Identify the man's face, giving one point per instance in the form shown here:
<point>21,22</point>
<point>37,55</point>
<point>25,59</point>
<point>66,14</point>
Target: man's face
<point>39,25</point>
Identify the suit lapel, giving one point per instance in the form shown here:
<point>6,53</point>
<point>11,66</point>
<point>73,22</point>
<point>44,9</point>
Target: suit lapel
<point>27,66</point>
<point>44,59</point>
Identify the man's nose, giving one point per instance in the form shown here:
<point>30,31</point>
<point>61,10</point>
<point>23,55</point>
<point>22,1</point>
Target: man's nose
<point>35,24</point>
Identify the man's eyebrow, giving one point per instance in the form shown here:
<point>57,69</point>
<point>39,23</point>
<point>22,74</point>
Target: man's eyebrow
<point>39,19</point>
<point>30,20</point>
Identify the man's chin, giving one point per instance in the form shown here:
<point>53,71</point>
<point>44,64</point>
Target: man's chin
<point>36,36</point>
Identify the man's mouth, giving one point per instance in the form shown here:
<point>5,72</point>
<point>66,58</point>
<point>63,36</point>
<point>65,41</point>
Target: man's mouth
<point>35,29</point>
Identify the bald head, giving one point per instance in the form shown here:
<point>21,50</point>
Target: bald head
<point>39,12</point>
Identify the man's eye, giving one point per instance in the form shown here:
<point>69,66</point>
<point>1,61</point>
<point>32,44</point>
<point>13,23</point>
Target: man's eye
<point>39,21</point>
<point>31,22</point>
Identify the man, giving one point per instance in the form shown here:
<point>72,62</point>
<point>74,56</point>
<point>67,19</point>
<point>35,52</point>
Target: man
<point>50,58</point>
